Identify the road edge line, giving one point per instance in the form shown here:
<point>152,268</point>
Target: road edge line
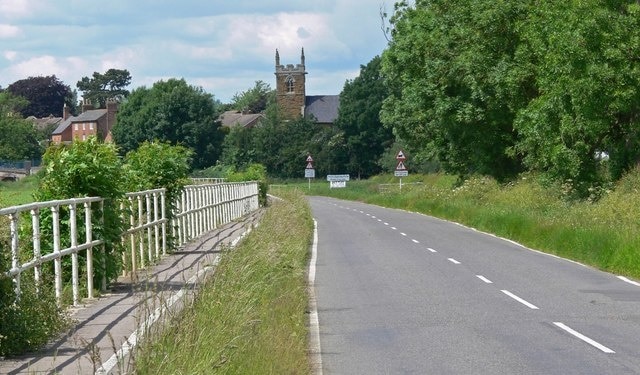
<point>315,352</point>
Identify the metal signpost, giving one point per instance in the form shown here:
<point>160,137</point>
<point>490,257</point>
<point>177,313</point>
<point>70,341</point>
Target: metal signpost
<point>401,169</point>
<point>309,172</point>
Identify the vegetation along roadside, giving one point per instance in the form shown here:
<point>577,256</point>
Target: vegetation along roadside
<point>250,316</point>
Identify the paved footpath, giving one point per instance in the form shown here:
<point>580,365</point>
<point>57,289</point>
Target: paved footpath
<point>106,328</point>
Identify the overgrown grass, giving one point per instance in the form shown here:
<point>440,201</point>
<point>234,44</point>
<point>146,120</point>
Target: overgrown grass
<point>604,234</point>
<point>18,192</point>
<point>250,316</point>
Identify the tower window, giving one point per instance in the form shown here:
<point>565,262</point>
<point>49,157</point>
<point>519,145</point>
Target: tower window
<point>290,81</point>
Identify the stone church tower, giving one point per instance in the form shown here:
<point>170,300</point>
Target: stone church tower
<point>290,88</point>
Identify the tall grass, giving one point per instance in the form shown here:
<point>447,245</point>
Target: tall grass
<point>250,317</point>
<point>604,233</point>
<point>18,192</point>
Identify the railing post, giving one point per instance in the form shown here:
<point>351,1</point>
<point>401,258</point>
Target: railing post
<point>156,230</point>
<point>56,249</point>
<point>103,287</point>
<point>147,199</point>
<point>164,222</point>
<point>74,256</point>
<point>37,254</point>
<point>89,239</point>
<point>141,236</point>
<point>15,257</point>
<point>132,238</point>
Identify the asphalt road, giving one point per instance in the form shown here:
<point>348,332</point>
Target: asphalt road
<point>404,293</point>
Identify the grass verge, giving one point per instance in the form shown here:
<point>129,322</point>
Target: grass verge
<point>250,317</point>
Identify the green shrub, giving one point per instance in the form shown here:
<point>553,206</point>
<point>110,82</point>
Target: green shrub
<point>254,172</point>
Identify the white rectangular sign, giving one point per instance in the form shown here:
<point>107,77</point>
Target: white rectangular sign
<point>404,173</point>
<point>337,177</point>
<point>309,173</point>
<point>337,184</point>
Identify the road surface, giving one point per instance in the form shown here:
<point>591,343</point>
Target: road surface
<point>404,293</point>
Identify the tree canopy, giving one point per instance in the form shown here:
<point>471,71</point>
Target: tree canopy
<point>100,87</point>
<point>359,119</point>
<point>254,100</point>
<point>45,95</point>
<point>175,112</point>
<point>18,137</point>
<point>499,87</point>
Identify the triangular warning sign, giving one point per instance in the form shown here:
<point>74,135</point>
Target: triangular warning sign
<point>400,166</point>
<point>401,156</point>
<point>309,165</point>
<point>309,159</point>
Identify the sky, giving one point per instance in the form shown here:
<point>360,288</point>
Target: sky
<point>223,46</point>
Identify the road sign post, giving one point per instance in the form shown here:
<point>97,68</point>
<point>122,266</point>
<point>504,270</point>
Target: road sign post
<point>309,171</point>
<point>401,169</point>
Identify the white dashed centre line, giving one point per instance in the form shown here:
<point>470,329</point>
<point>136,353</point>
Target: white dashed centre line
<point>584,338</point>
<point>394,228</point>
<point>415,241</point>
<point>386,223</point>
<point>432,250</point>
<point>529,305</point>
<point>453,261</point>
<point>404,234</point>
<point>484,279</point>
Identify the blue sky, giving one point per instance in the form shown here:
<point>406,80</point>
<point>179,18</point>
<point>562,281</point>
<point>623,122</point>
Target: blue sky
<point>223,46</point>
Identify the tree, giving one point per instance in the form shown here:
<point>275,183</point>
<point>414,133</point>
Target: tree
<point>46,95</point>
<point>359,118</point>
<point>171,111</point>
<point>254,100</point>
<point>584,58</point>
<point>450,94</point>
<point>18,137</point>
<point>101,87</point>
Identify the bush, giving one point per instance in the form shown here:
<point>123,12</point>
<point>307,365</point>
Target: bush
<point>254,172</point>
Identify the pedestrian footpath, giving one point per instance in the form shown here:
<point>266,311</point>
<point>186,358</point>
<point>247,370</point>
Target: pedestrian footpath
<point>105,330</point>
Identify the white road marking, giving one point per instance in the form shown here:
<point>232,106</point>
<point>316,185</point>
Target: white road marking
<point>404,234</point>
<point>432,250</point>
<point>314,323</point>
<point>584,338</point>
<point>415,241</point>
<point>484,279</point>
<point>394,228</point>
<point>361,212</point>
<point>453,261</point>
<point>529,305</point>
<point>373,217</point>
<point>386,223</point>
<point>379,220</point>
<point>629,281</point>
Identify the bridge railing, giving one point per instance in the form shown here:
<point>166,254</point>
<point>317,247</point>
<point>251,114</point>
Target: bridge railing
<point>200,208</point>
<point>207,180</point>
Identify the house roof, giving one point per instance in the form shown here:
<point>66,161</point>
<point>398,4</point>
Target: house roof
<point>42,123</point>
<point>92,115</point>
<point>324,108</point>
<point>237,118</point>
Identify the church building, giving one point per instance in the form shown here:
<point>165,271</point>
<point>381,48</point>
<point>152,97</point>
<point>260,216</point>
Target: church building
<point>292,99</point>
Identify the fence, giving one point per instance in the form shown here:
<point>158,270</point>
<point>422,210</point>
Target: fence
<point>200,208</point>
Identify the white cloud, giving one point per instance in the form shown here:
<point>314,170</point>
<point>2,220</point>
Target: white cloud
<point>65,69</point>
<point>14,8</point>
<point>10,55</point>
<point>8,31</point>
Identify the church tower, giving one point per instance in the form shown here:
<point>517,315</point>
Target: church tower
<point>290,88</point>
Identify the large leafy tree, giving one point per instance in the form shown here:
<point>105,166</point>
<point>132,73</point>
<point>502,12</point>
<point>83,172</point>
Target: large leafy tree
<point>447,66</point>
<point>254,100</point>
<point>18,137</point>
<point>100,87</point>
<point>359,119</point>
<point>175,112</point>
<point>46,95</point>
<point>584,57</point>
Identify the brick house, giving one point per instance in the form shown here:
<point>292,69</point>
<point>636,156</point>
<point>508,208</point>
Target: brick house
<point>91,121</point>
<point>292,99</point>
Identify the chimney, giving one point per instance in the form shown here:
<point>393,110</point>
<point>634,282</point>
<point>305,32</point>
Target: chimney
<point>86,105</point>
<point>66,112</point>
<point>112,110</point>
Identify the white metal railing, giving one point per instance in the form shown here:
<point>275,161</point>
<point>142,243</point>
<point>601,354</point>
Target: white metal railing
<point>203,180</point>
<point>146,211</point>
<point>200,208</point>
<point>37,259</point>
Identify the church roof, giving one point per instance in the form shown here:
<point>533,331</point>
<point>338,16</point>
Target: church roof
<point>237,118</point>
<point>324,108</point>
